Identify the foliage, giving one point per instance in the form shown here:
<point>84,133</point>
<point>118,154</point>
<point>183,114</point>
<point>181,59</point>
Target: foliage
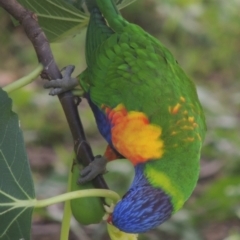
<point>17,192</point>
<point>16,185</point>
<point>204,37</point>
<point>61,18</point>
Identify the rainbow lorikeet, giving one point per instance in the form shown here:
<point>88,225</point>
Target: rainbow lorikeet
<point>148,111</point>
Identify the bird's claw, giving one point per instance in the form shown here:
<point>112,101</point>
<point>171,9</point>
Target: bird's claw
<point>96,167</point>
<point>62,85</point>
<point>108,211</point>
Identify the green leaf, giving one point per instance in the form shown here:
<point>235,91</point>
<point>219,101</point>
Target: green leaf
<point>76,3</point>
<point>79,3</point>
<point>17,195</point>
<point>60,19</point>
<point>57,18</point>
<point>123,3</point>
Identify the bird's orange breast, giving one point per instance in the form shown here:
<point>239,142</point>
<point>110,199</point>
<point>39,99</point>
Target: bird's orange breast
<point>133,135</point>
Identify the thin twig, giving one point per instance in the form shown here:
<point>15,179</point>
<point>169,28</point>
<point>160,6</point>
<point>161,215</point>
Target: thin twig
<point>29,22</point>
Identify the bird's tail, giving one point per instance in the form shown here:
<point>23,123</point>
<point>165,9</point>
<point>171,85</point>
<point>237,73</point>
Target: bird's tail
<point>97,32</point>
<point>111,13</point>
<point>91,4</point>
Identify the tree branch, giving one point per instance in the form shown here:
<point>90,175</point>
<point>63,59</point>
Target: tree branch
<point>28,20</point>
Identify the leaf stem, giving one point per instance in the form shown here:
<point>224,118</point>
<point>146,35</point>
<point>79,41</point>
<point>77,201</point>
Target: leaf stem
<point>67,213</point>
<point>79,194</point>
<point>24,80</point>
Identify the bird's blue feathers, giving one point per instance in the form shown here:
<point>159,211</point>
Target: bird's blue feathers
<point>104,126</point>
<point>143,207</point>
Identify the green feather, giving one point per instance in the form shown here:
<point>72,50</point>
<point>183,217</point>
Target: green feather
<point>128,66</point>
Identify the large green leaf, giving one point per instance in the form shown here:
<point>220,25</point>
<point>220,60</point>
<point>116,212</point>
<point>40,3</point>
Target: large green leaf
<point>60,19</point>
<point>79,3</point>
<point>123,3</point>
<point>57,18</point>
<point>16,186</point>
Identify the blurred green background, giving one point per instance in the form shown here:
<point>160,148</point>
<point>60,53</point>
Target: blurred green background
<point>204,36</point>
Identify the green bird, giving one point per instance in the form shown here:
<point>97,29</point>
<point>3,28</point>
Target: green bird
<point>148,111</point>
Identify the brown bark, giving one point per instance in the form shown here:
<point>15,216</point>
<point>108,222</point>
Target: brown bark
<point>29,22</point>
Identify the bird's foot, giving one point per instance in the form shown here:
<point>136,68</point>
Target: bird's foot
<point>96,167</point>
<point>62,85</point>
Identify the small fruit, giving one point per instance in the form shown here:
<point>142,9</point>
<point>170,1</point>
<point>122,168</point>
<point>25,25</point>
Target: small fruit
<point>87,210</point>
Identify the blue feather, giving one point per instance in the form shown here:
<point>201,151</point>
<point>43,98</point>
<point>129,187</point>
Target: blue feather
<point>104,125</point>
<point>143,207</point>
